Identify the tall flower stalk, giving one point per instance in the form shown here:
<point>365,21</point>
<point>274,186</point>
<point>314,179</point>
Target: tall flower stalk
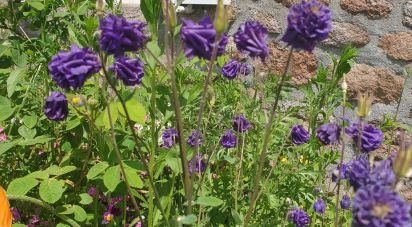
<point>266,139</point>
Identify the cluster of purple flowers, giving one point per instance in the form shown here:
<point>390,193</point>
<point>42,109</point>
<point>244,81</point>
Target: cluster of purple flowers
<point>233,68</point>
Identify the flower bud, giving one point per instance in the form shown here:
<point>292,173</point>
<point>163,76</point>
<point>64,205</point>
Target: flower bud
<point>99,7</point>
<point>92,102</point>
<point>170,11</point>
<point>364,105</point>
<point>344,86</point>
<point>220,18</point>
<point>403,161</point>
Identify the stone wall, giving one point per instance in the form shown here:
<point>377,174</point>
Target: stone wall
<point>381,29</point>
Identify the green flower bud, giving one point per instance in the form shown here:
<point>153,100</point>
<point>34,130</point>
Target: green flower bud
<point>403,161</point>
<point>364,105</point>
<point>220,18</point>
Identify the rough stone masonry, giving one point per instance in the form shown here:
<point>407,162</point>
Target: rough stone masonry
<point>381,29</point>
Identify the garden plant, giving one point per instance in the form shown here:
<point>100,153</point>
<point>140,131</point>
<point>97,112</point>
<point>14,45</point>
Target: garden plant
<point>107,121</point>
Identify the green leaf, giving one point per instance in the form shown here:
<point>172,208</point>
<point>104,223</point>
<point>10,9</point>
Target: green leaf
<point>58,171</point>
<point>42,175</point>
<point>51,190</point>
<point>62,225</point>
<point>36,4</point>
<point>5,112</point>
<point>73,123</point>
<point>26,132</point>
<point>85,199</point>
<point>136,110</point>
<point>79,214</point>
<point>111,178</point>
<point>14,79</point>
<point>236,216</point>
<point>30,121</point>
<point>38,140</point>
<point>187,220</point>
<point>21,186</point>
<point>5,146</point>
<point>114,113</point>
<point>209,201</point>
<point>133,178</point>
<point>96,170</point>
<point>82,9</point>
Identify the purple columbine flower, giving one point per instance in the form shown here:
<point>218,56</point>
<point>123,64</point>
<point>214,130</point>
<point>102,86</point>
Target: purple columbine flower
<point>345,202</point>
<point>199,38</point>
<point>231,69</point>
<point>119,35</point>
<point>192,138</point>
<point>112,211</point>
<point>245,69</point>
<point>240,123</point>
<point>130,71</point>
<point>92,191</point>
<point>359,171</point>
<point>309,22</point>
<point>16,214</point>
<point>228,139</point>
<point>382,173</point>
<point>70,69</point>
<point>197,164</point>
<point>328,133</point>
<point>56,107</point>
<point>299,217</point>
<point>319,206</point>
<point>299,135</point>
<point>250,39</point>
<point>107,218</point>
<point>169,137</point>
<point>371,137</point>
<point>377,206</point>
<point>344,174</point>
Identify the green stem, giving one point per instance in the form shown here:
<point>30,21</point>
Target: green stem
<point>266,138</point>
<point>46,206</point>
<point>154,142</point>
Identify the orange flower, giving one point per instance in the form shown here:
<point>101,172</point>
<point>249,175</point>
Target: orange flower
<point>5,214</point>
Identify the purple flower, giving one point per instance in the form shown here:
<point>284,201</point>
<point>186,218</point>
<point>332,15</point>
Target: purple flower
<point>198,39</point>
<point>192,138</point>
<point>240,123</point>
<point>345,202</point>
<point>169,137</point>
<point>319,206</point>
<point>197,164</point>
<point>231,69</point>
<point>92,191</point>
<point>130,71</point>
<point>228,139</point>
<point>35,221</point>
<point>328,133</point>
<point>382,173</point>
<point>377,206</point>
<point>16,214</point>
<point>119,35</point>
<point>245,69</point>
<point>343,173</point>
<point>309,22</point>
<point>371,137</point>
<point>299,135</point>
<point>107,218</point>
<point>70,69</point>
<point>359,171</point>
<point>250,39</point>
<point>299,217</point>
<point>56,107</point>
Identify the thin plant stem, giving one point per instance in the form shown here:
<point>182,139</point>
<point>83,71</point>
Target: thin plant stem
<point>240,170</point>
<point>342,153</point>
<point>154,142</point>
<point>44,205</point>
<point>179,118</point>
<point>266,138</point>
<point>136,148</point>
<point>119,160</point>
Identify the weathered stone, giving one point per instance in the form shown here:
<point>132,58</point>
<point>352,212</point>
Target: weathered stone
<point>374,9</point>
<point>384,85</point>
<point>344,33</point>
<point>266,19</point>
<point>304,64</point>
<point>397,45</point>
<point>407,13</point>
<point>405,190</point>
<point>288,3</point>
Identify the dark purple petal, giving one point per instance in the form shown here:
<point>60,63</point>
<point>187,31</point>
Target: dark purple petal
<point>228,139</point>
<point>299,217</point>
<point>169,137</point>
<point>250,39</point>
<point>130,71</point>
<point>299,135</point>
<point>119,35</point>
<point>70,69</point>
<point>197,164</point>
<point>345,202</point>
<point>231,69</point>
<point>192,138</point>
<point>319,206</point>
<point>371,137</point>
<point>56,107</point>
<point>240,123</point>
<point>328,133</point>
<point>309,22</point>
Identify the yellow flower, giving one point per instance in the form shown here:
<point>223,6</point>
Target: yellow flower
<point>77,101</point>
<point>283,159</point>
